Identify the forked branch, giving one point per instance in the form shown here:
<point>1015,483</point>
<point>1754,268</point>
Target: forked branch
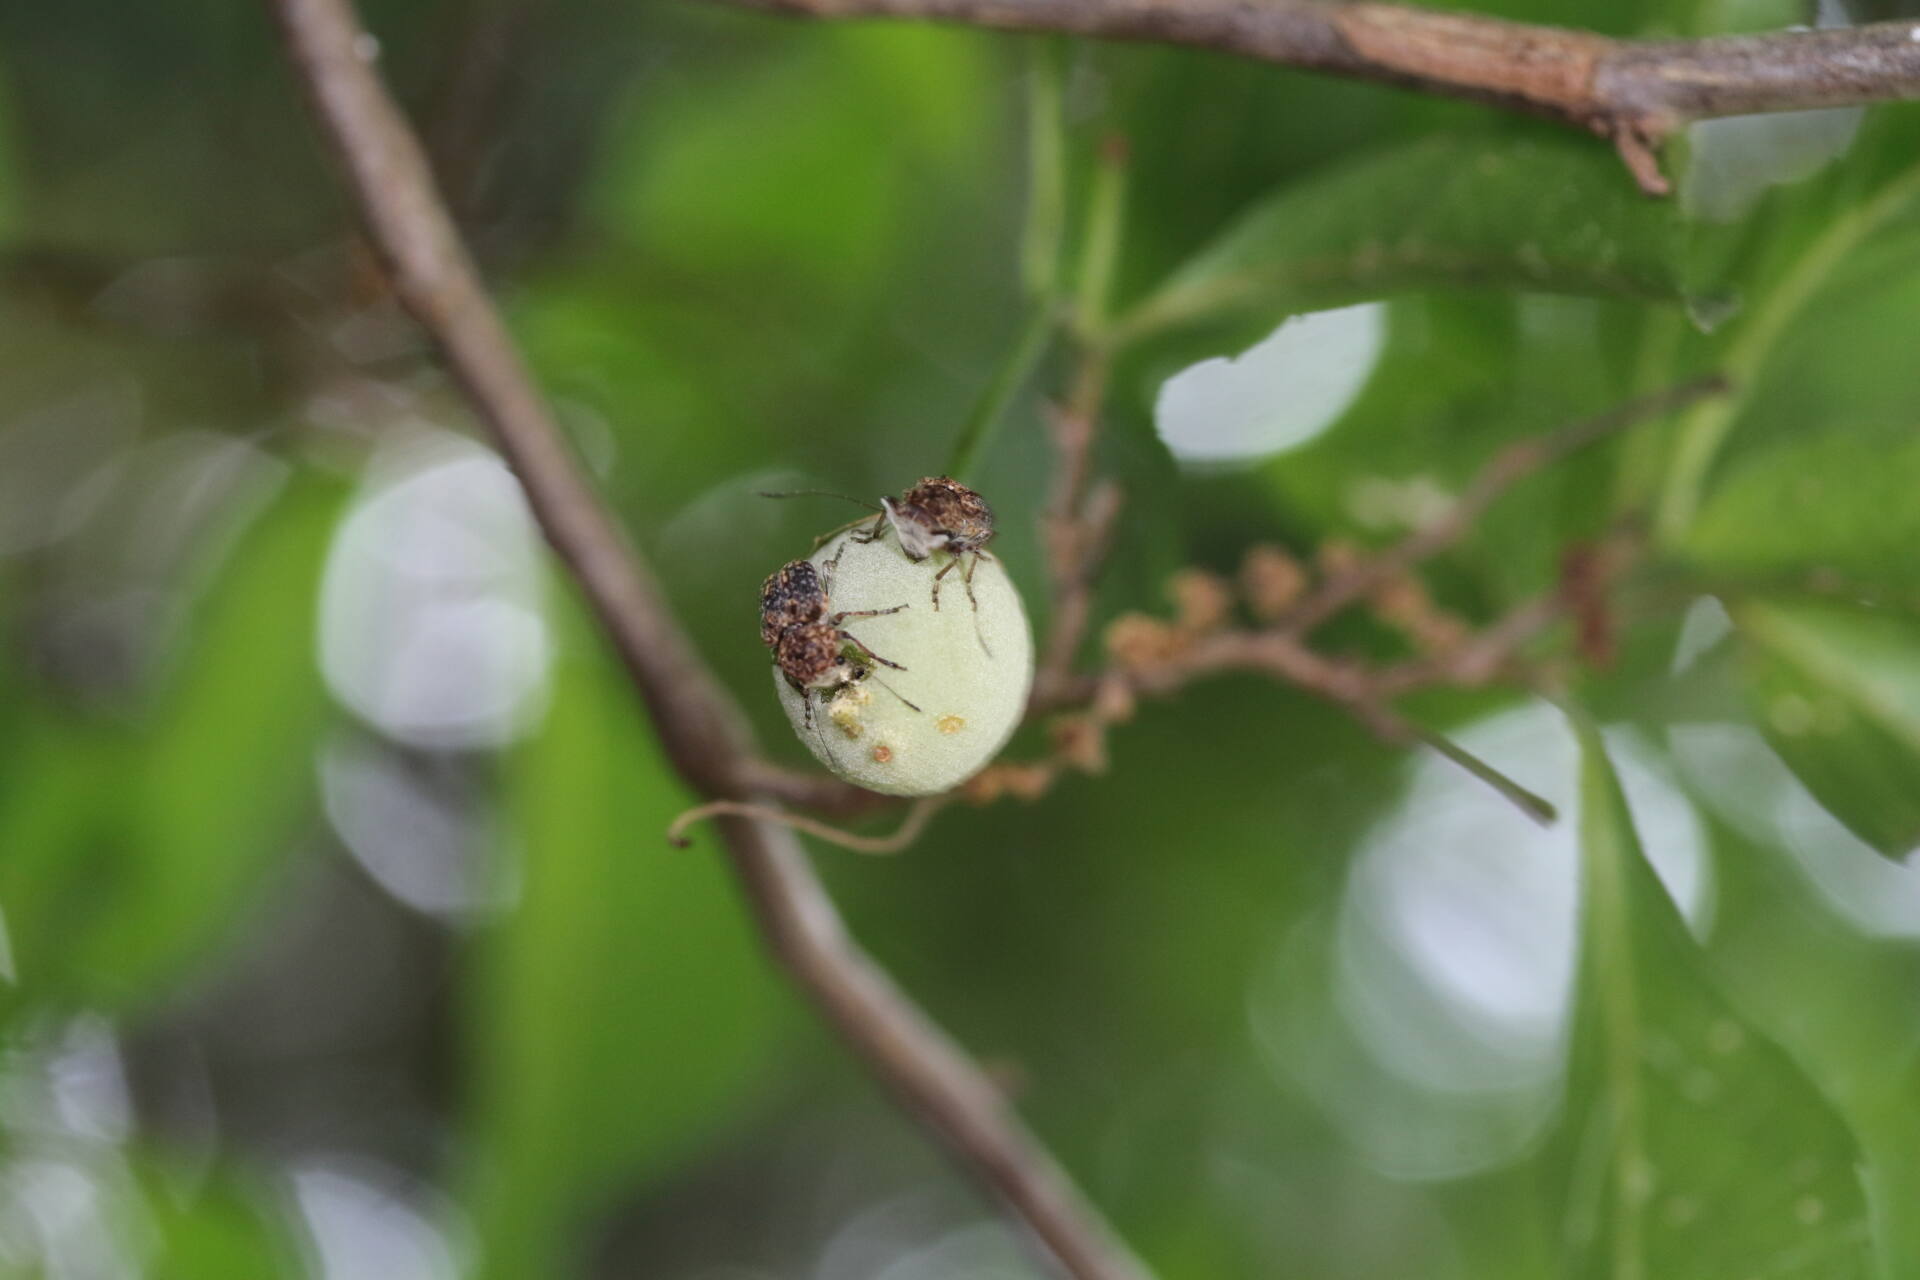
<point>700,727</point>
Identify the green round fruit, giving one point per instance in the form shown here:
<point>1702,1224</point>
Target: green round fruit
<point>968,670</point>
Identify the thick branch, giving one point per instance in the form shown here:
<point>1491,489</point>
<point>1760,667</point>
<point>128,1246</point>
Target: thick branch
<point>700,727</point>
<point>1635,92</point>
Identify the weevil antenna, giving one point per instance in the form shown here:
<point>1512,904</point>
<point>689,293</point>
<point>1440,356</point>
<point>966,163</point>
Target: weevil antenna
<point>911,706</point>
<point>820,493</point>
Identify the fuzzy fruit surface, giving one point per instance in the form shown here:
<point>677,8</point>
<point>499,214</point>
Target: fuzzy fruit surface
<point>971,695</point>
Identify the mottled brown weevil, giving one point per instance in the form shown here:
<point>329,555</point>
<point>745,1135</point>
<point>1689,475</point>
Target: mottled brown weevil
<point>809,645</point>
<point>939,514</point>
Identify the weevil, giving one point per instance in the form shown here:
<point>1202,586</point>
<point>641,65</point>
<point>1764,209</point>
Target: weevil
<point>938,514</point>
<point>810,646</point>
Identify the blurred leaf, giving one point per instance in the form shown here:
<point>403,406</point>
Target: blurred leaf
<point>1691,1146</point>
<point>773,168</point>
<point>57,837</point>
<point>229,761</point>
<point>1828,502</point>
<point>1837,692</point>
<point>1792,253</point>
<point>109,892</point>
<point>624,1009</point>
<point>12,211</point>
<point>1824,990</point>
<point>1462,376</point>
<point>1445,212</point>
<point>212,1231</point>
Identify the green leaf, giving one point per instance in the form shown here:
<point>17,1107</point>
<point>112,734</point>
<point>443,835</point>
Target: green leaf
<point>624,1009</point>
<point>725,174</point>
<point>228,765</point>
<point>111,889</point>
<point>1837,693</point>
<point>213,1230</point>
<point>1447,212</point>
<point>1691,1145</point>
<point>1834,999</point>
<point>1832,503</point>
<point>1792,257</point>
<point>57,844</point>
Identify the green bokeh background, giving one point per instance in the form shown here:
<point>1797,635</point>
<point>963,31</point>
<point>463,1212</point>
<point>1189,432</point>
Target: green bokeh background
<point>743,253</point>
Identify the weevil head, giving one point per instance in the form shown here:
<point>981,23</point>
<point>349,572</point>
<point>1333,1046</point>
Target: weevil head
<point>918,536</point>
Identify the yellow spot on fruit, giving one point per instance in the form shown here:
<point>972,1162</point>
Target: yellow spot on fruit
<point>950,724</point>
<point>845,710</point>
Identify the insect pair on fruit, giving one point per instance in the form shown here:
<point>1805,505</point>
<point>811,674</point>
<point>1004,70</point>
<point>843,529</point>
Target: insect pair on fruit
<point>971,673</point>
<point>809,644</point>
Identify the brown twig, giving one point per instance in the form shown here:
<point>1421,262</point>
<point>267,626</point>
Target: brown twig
<point>1361,689</point>
<point>1508,467</point>
<point>1158,659</point>
<point>1633,92</point>
<point>918,816</point>
<point>1078,525</point>
<point>700,728</point>
<point>815,791</point>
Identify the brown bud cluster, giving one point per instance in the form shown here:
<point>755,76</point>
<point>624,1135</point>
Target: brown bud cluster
<point>1202,601</point>
<point>1021,781</point>
<point>1404,604</point>
<point>1338,557</point>
<point>1080,741</point>
<point>1271,581</point>
<point>1137,642</point>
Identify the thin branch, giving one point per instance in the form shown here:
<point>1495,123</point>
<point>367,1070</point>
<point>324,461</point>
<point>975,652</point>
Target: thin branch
<point>434,277</point>
<point>1077,525</point>
<point>1167,659</point>
<point>909,830</point>
<point>1531,803</point>
<point>1016,368</point>
<point>1633,92</point>
<point>1509,467</point>
<point>1042,233</point>
<point>816,791</point>
<point>700,728</point>
<point>929,1075</point>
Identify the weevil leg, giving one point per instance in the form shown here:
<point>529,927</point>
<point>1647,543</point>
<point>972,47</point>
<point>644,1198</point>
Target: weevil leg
<point>856,643</point>
<point>874,534</point>
<point>835,532</point>
<point>828,569</point>
<point>836,619</point>
<point>936,581</point>
<point>967,578</point>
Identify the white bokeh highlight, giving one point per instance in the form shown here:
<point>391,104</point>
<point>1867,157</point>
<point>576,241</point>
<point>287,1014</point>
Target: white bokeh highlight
<point>1479,903</point>
<point>425,847</point>
<point>363,1220</point>
<point>1277,395</point>
<point>431,626</point>
<point>1732,162</point>
<point>1746,784</point>
<point>1438,1047</point>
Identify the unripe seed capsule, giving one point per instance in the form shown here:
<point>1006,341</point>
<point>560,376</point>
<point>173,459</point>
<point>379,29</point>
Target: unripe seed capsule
<point>968,668</point>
